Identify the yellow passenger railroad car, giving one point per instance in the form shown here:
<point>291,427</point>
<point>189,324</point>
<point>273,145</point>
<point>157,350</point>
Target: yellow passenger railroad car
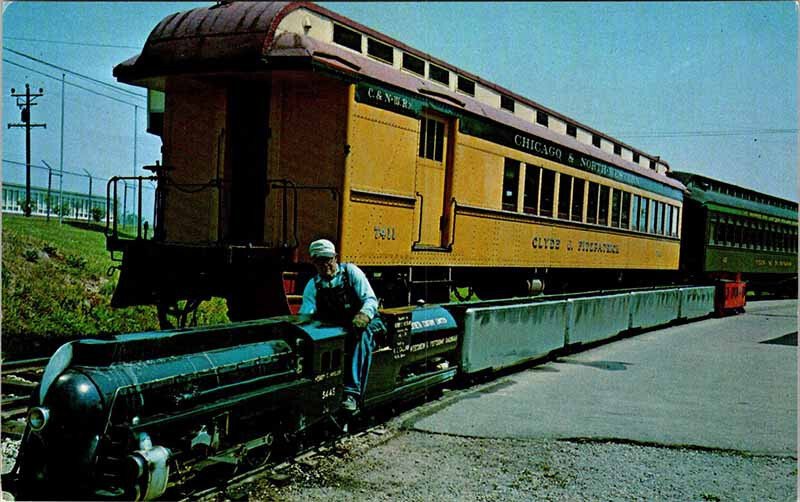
<point>283,123</point>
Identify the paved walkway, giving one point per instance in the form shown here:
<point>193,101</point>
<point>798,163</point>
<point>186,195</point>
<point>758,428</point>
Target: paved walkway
<point>719,383</point>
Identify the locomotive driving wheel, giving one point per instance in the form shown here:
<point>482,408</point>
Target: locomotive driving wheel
<point>176,313</point>
<point>259,454</point>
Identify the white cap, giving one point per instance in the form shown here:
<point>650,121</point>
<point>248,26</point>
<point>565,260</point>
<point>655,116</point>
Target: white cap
<point>322,248</point>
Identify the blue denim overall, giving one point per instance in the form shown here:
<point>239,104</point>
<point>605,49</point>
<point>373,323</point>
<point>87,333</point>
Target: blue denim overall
<point>339,304</point>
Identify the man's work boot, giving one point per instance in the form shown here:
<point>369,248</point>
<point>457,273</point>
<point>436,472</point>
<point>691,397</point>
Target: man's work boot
<point>349,403</point>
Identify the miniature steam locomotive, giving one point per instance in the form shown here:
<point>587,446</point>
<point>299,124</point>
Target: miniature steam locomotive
<point>126,417</point>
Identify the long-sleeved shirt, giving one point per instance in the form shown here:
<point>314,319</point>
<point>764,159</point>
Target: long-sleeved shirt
<point>358,281</point>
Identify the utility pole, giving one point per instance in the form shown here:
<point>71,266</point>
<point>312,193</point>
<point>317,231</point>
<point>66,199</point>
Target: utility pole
<point>49,183</point>
<point>135,122</point>
<point>61,155</point>
<point>124,203</point>
<point>25,115</point>
<point>89,218</point>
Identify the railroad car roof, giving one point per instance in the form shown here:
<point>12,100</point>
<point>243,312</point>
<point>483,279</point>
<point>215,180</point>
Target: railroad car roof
<point>241,36</point>
<point>710,191</point>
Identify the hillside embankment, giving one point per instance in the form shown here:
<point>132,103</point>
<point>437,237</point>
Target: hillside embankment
<point>57,284</point>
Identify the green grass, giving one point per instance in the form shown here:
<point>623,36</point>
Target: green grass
<point>56,287</point>
<point>465,295</point>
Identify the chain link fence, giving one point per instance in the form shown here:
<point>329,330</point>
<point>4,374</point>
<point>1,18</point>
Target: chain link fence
<point>75,196</point>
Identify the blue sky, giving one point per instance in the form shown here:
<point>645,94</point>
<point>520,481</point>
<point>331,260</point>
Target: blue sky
<point>710,87</point>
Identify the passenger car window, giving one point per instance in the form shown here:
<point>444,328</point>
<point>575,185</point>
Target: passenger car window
<point>530,197</point>
<point>564,195</point>
<point>510,184</point>
<point>577,199</point>
<point>548,187</point>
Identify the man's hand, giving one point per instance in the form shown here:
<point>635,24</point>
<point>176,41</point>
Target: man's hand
<point>360,320</point>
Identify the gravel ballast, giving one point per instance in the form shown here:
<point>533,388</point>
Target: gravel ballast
<point>411,465</point>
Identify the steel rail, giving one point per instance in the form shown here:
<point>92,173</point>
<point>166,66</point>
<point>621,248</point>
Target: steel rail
<point>23,365</point>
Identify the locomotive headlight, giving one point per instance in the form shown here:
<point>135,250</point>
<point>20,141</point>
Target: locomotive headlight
<point>38,417</point>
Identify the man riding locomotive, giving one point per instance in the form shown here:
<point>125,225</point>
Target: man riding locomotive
<point>340,293</point>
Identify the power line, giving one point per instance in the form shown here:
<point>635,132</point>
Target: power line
<point>8,161</point>
<point>719,133</point>
<point>83,44</point>
<point>654,134</point>
<point>111,86</point>
<point>70,83</point>
<point>14,162</point>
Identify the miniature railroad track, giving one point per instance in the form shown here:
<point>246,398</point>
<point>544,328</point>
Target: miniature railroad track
<point>280,471</point>
<point>35,365</point>
<point>274,471</point>
<point>19,378</point>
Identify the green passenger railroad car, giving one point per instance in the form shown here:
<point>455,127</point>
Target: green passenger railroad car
<point>731,231</point>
